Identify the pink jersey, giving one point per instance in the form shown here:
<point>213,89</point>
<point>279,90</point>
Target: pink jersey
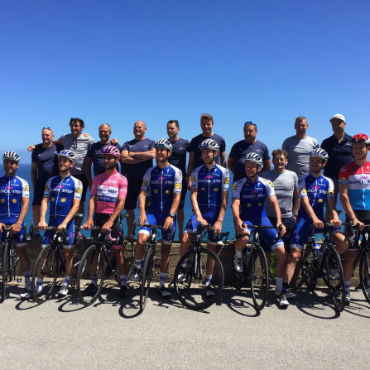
<point>107,189</point>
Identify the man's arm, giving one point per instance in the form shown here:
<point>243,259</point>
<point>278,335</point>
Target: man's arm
<point>18,225</point>
<point>33,174</point>
<point>190,167</point>
<point>311,213</point>
<point>143,156</point>
<point>127,158</point>
<point>275,206</point>
<point>87,168</point>
<point>231,164</point>
<point>194,203</point>
<point>344,199</point>
<point>266,165</point>
<point>71,214</point>
<point>90,213</point>
<point>119,207</point>
<point>43,208</point>
<point>296,202</point>
<point>142,198</point>
<point>220,219</point>
<point>223,159</point>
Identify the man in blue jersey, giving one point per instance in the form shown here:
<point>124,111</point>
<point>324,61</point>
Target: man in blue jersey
<point>209,187</point>
<point>64,193</point>
<point>315,190</point>
<point>249,196</point>
<point>164,181</point>
<point>14,202</point>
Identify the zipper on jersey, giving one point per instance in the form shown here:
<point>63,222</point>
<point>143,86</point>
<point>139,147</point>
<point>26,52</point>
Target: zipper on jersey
<point>9,197</point>
<point>161,190</point>
<point>56,200</point>
<point>363,189</point>
<point>209,189</point>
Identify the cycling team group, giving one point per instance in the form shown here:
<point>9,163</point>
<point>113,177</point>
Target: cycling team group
<point>291,196</point>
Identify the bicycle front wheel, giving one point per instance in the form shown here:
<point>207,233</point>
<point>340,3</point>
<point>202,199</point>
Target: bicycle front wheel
<point>364,273</point>
<point>304,270</point>
<point>146,278</point>
<point>90,275</point>
<point>5,271</point>
<point>333,276</point>
<point>258,277</point>
<point>191,276</point>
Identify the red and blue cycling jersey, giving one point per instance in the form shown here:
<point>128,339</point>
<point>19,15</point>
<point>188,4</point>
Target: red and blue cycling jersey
<point>358,180</point>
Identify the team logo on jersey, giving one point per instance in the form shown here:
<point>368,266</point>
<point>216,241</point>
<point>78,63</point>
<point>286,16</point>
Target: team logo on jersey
<point>52,199</point>
<point>259,204</point>
<point>304,191</point>
<point>79,190</point>
<point>2,200</point>
<point>226,180</point>
<point>320,200</point>
<point>177,186</point>
<point>249,205</point>
<point>144,183</point>
<point>192,178</point>
<point>271,184</point>
<point>167,191</point>
<point>27,188</point>
<point>330,192</point>
<point>63,200</point>
<point>215,189</point>
<point>155,191</point>
<point>46,187</point>
<point>14,200</point>
<point>234,186</point>
<point>202,189</point>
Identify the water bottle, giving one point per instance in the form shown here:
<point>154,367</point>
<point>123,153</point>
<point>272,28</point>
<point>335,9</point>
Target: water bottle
<point>316,249</point>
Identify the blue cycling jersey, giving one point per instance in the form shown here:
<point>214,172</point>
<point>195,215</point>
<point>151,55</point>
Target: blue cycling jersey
<point>61,193</point>
<point>252,197</point>
<point>317,190</point>
<point>12,190</point>
<point>163,183</point>
<point>210,184</point>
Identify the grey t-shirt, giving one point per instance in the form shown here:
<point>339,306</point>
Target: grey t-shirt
<point>79,146</point>
<point>284,184</point>
<point>299,153</point>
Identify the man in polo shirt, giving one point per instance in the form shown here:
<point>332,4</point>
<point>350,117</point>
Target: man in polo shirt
<point>339,148</point>
<point>249,145</point>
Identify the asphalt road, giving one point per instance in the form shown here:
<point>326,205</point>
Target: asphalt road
<point>60,334</point>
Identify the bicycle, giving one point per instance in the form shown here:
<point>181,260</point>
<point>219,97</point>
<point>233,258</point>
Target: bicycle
<point>255,271</point>
<point>189,273</point>
<point>324,262</point>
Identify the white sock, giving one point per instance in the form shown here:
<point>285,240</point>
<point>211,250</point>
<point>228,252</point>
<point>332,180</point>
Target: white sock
<point>279,284</point>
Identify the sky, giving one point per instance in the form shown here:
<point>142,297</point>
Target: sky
<point>118,61</point>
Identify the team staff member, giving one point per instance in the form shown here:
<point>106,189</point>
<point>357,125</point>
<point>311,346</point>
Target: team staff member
<point>178,159</point>
<point>14,202</point>
<point>249,145</point>
<point>136,157</point>
<point>44,165</point>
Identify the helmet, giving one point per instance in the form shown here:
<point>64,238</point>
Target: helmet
<point>209,144</point>
<point>12,156</point>
<point>253,157</point>
<point>111,150</point>
<point>321,153</point>
<point>163,144</point>
<point>361,138</point>
<point>67,154</point>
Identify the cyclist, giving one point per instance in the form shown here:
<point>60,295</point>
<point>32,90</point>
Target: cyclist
<point>64,193</point>
<point>165,182</point>
<point>354,193</point>
<point>315,189</point>
<point>14,202</point>
<point>248,206</point>
<point>107,200</point>
<point>209,188</point>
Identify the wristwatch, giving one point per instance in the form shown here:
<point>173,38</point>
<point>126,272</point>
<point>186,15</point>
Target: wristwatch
<point>172,215</point>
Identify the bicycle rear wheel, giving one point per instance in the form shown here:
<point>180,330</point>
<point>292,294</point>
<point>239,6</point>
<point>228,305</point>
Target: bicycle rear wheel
<point>333,276</point>
<point>91,268</point>
<point>146,278</point>
<point>364,273</point>
<point>258,277</point>
<point>303,271</point>
<point>190,276</point>
<point>47,264</point>
<point>5,271</point>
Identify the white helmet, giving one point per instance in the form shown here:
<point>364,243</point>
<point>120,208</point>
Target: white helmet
<point>12,156</point>
<point>253,157</point>
<point>321,153</point>
<point>209,144</point>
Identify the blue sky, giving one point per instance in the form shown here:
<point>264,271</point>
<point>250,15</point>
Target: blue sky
<point>121,61</point>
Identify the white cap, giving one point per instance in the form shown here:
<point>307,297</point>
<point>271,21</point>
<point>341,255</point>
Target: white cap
<point>338,116</point>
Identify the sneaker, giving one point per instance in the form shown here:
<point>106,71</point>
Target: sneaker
<point>163,292</point>
<point>28,286</point>
<point>181,278</point>
<point>63,292</point>
<point>38,289</point>
<point>123,290</point>
<point>290,294</point>
<point>26,295</point>
<point>91,289</point>
<point>283,301</point>
<point>347,299</point>
<point>238,264</point>
<point>208,292</point>
<point>135,274</point>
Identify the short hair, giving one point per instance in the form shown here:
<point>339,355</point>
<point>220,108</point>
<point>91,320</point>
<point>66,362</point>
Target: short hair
<point>106,124</point>
<point>175,121</point>
<point>206,116</point>
<point>277,152</point>
<point>79,120</point>
<point>250,123</point>
<point>300,119</point>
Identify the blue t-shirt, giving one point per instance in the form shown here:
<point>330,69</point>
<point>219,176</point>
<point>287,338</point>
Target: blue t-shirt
<point>94,153</point>
<point>46,160</point>
<point>136,171</point>
<point>194,148</point>
<point>178,156</point>
<point>240,149</point>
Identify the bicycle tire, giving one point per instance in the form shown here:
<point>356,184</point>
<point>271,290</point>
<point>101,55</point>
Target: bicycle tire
<point>85,272</point>
<point>364,273</point>
<point>146,278</point>
<point>47,263</point>
<point>4,272</point>
<point>303,271</point>
<point>190,291</point>
<point>334,278</point>
<point>258,277</point>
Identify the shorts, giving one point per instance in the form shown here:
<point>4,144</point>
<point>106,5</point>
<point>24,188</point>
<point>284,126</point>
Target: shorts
<point>133,190</point>
<point>85,184</point>
<point>211,218</point>
<point>56,221</point>
<point>302,231</point>
<point>289,224</point>
<point>20,239</point>
<point>38,191</point>
<point>184,190</point>
<point>363,216</point>
<point>269,237</point>
<point>117,232</point>
<point>167,235</point>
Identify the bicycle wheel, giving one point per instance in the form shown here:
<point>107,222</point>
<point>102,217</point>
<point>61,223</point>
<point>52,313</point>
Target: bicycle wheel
<point>47,264</point>
<point>364,273</point>
<point>91,267</point>
<point>258,277</point>
<point>5,271</point>
<point>190,274</point>
<point>146,278</point>
<point>304,270</point>
<point>333,277</point>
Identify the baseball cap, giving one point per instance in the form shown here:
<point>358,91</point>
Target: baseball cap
<point>339,117</point>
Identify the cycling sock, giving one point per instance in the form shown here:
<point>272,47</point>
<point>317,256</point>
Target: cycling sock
<point>123,279</point>
<point>347,285</point>
<point>279,284</point>
<point>207,282</point>
<point>162,278</point>
<point>27,276</point>
<point>138,263</point>
<point>39,281</point>
<point>94,280</point>
<point>238,254</point>
<point>285,287</point>
<point>67,280</point>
